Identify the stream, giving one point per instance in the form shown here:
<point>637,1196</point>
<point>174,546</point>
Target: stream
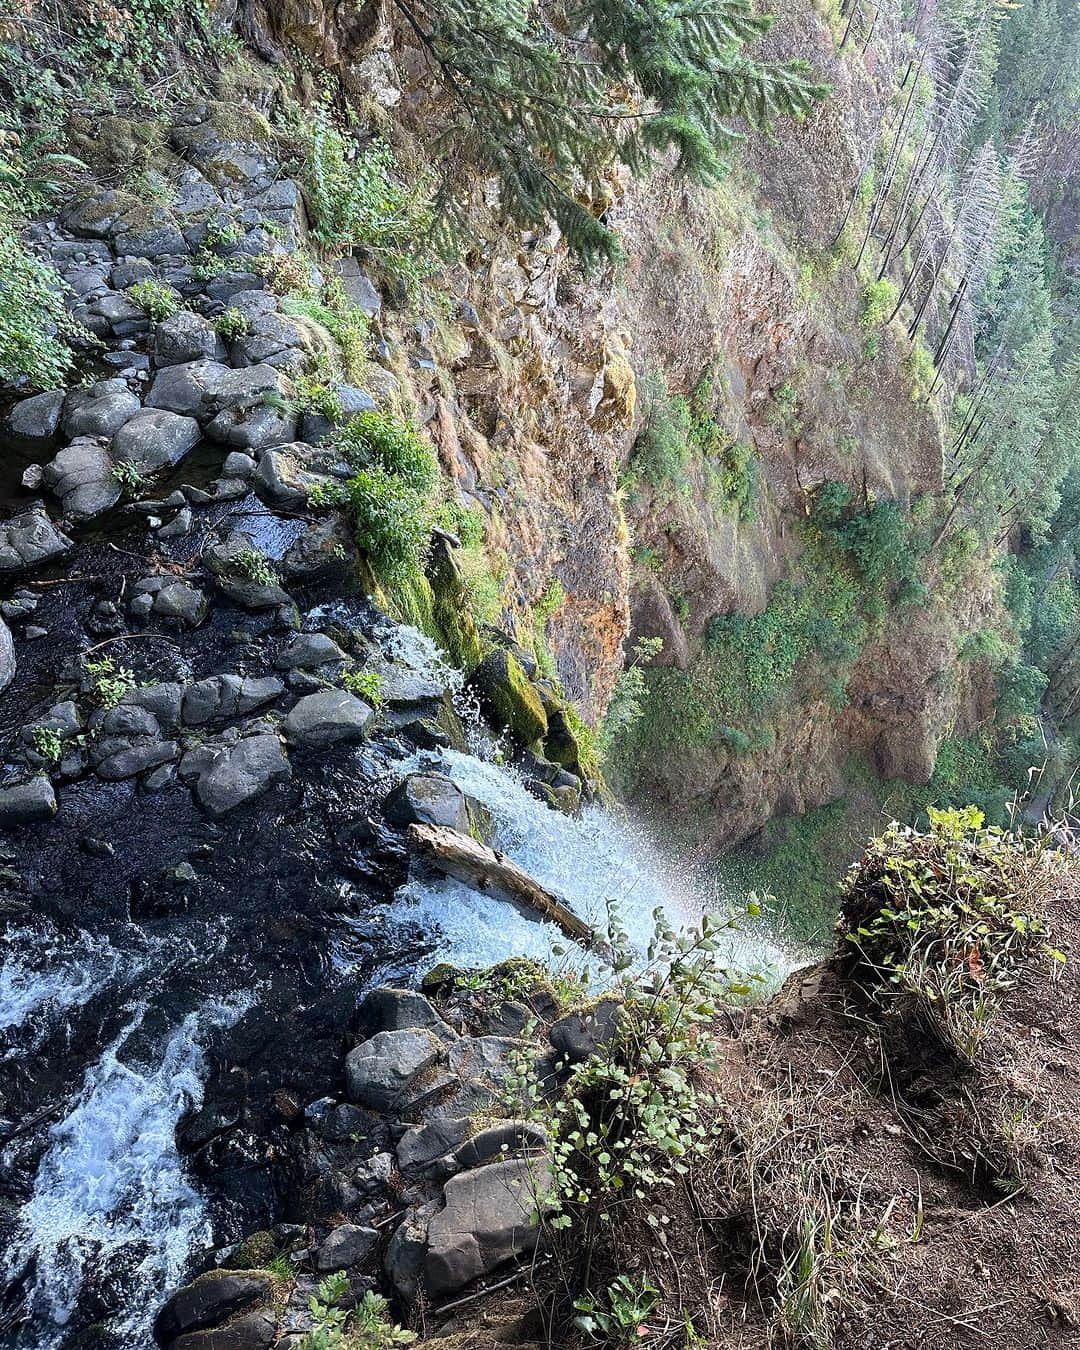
<point>132,1043</point>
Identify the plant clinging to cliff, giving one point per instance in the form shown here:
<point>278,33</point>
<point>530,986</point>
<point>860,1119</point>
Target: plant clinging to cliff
<point>551,98</point>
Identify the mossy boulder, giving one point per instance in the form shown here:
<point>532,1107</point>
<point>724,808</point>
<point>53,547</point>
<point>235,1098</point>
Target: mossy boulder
<point>507,698</point>
<point>562,745</point>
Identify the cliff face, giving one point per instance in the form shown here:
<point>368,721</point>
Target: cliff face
<point>545,380</point>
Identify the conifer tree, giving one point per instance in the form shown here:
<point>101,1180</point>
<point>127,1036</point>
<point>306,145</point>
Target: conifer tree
<point>550,98</point>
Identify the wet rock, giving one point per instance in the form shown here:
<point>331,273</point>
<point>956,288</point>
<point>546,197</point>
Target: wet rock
<point>227,560</point>
<point>338,1121</point>
<point>327,718</point>
<point>284,478</point>
<point>179,525</point>
<point>26,803</point>
<point>161,700</point>
<point>223,696</point>
<point>580,1035</point>
<point>308,651</point>
<point>127,742</point>
<point>36,420</point>
<point>427,799</point>
<point>33,477</point>
<point>208,1301</point>
<point>7,656</point>
<point>324,553</point>
<point>253,1331</point>
<point>182,602</point>
<point>404,689</point>
<point>561,744</point>
<point>100,411</point>
<point>507,698</point>
<point>388,1009</point>
<point>347,1245</point>
<point>378,1071</point>
<point>488,1219</point>
<point>186,337</point>
<point>238,465</point>
<point>155,439</point>
<point>426,734</point>
<point>239,773</point>
<point>82,477</point>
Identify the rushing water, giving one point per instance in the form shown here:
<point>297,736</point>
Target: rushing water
<point>112,1215</point>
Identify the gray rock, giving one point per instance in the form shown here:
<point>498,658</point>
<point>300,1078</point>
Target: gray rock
<point>327,718</point>
<point>238,465</point>
<point>26,803</point>
<point>157,235</point>
<point>283,478</point>
<point>115,759</point>
<point>405,1253</point>
<point>186,337</point>
<point>253,428</point>
<point>422,1146</point>
<point>190,389</point>
<point>82,477</point>
<point>241,772</point>
<point>268,337</point>
<point>223,696</point>
<point>347,1245</point>
<point>33,632</point>
<point>161,700</point>
<point>325,552</point>
<point>179,525</point>
<point>33,477</point>
<point>208,1301</point>
<point>155,439</point>
<point>315,427</point>
<point>117,313</point>
<point>378,1071</point>
<point>94,413</point>
<point>403,688</point>
<point>36,420</point>
<point>489,1059</point>
<point>512,1137</point>
<point>252,1331</point>
<point>183,602</point>
<point>427,799</point>
<point>308,651</point>
<point>489,1218</point>
<point>371,1177</point>
<point>358,286</point>
<point>30,539</point>
<point>7,656</point>
<point>580,1035</point>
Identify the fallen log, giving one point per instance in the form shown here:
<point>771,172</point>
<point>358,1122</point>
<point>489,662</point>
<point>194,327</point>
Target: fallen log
<point>484,869</point>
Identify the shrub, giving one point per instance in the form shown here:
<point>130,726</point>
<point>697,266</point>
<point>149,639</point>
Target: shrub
<point>256,566</point>
<point>381,440</point>
<point>33,320</point>
<point>367,1327</point>
<point>231,323</point>
<point>157,302</point>
<point>365,684</point>
<point>878,302</point>
<point>47,743</point>
<point>661,452</point>
<point>392,522</point>
<point>108,681</point>
<point>939,928</point>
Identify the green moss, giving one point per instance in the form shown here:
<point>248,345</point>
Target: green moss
<point>509,699</point>
<point>438,604</point>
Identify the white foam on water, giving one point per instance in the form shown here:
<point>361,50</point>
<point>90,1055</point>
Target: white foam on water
<point>589,861</point>
<point>112,1188</point>
<point>53,975</point>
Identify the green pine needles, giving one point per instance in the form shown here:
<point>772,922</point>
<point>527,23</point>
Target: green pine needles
<point>551,98</point>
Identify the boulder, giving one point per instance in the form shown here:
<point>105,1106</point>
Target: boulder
<point>223,696</point>
<point>580,1035</point>
<point>507,698</point>
<point>388,1009</point>
<point>189,389</point>
<point>507,1137</point>
<point>30,539</point>
<point>162,700</point>
<point>308,651</point>
<point>489,1218</point>
<point>423,1146</point>
<point>238,773</point>
<point>404,1260</point>
<point>208,1301</point>
<point>561,744</point>
<point>100,411</point>
<point>186,337</point>
<point>27,803</point>
<point>7,656</point>
<point>380,1069</point>
<point>183,602</point>
<point>82,477</point>
<point>427,799</point>
<point>327,718</point>
<point>324,553</point>
<point>284,478</point>
<point>155,439</point>
<point>403,689</point>
<point>36,420</point>
<point>252,1331</point>
<point>346,1246</point>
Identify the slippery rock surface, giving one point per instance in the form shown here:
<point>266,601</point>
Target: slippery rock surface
<point>30,539</point>
<point>83,476</point>
<point>7,656</point>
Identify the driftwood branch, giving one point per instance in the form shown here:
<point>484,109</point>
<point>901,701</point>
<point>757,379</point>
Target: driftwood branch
<point>457,855</point>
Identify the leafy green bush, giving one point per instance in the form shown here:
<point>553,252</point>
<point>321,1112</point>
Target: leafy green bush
<point>661,452</point>
<point>381,440</point>
<point>358,199</point>
<point>878,302</point>
<point>108,681</point>
<point>231,323</point>
<point>366,1327</point>
<point>939,924</point>
<point>33,319</point>
<point>391,521</point>
<point>365,684</point>
<point>157,301</point>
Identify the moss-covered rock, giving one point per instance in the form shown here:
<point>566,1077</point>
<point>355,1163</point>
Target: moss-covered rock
<point>508,699</point>
<point>438,604</point>
<point>561,745</point>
